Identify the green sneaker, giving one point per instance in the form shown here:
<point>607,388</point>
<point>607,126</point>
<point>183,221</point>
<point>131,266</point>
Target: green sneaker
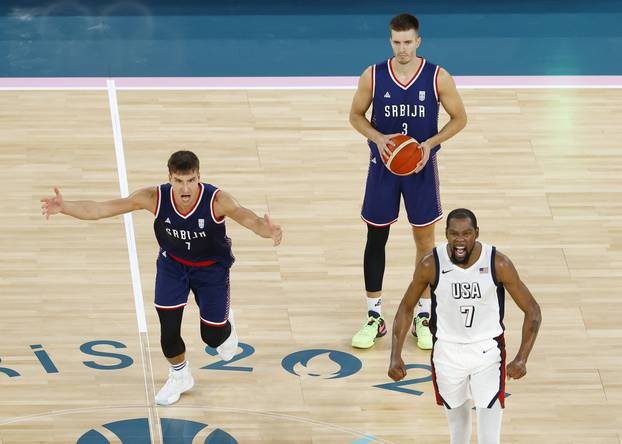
<point>372,329</point>
<point>422,332</point>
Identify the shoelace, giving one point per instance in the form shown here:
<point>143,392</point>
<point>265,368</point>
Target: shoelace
<point>173,377</point>
<point>373,320</point>
<point>424,321</point>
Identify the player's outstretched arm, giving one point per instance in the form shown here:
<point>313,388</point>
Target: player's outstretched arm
<point>226,205</point>
<point>90,210</point>
<point>424,276</point>
<point>508,276</point>
<point>360,104</point>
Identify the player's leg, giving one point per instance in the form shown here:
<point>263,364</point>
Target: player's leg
<point>423,205</point>
<point>424,242</point>
<point>459,420</point>
<point>211,288</point>
<point>488,388</point>
<point>451,386</point>
<point>172,344</point>
<point>373,270</point>
<point>489,424</point>
<point>373,265</point>
<point>380,210</point>
<point>171,296</point>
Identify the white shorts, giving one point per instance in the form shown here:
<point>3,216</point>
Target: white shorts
<point>469,371</point>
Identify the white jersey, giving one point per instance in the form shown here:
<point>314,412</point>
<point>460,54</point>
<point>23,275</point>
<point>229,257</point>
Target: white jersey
<point>467,304</point>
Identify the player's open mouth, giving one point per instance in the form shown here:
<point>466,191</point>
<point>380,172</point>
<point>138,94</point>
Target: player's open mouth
<point>185,197</point>
<point>459,251</point>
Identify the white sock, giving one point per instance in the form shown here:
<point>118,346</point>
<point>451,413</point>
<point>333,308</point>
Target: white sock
<point>459,419</point>
<point>489,424</point>
<point>375,304</point>
<point>424,306</point>
<point>179,367</point>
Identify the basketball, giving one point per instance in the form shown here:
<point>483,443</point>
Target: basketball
<point>405,155</point>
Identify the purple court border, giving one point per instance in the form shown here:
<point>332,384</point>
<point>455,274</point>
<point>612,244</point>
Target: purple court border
<point>475,82</point>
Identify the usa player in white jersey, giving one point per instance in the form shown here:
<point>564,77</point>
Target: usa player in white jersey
<point>468,279</point>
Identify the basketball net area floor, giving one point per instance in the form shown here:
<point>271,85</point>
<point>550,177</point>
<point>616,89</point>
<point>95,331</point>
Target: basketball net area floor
<point>539,167</point>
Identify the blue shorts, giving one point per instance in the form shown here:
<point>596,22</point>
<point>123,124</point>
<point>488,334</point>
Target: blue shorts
<point>422,199</point>
<point>210,286</point>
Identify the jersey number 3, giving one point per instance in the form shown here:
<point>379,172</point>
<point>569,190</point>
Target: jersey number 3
<point>404,128</point>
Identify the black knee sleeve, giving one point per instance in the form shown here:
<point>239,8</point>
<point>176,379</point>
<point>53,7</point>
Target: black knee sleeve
<point>373,260</point>
<point>214,336</point>
<point>170,332</point>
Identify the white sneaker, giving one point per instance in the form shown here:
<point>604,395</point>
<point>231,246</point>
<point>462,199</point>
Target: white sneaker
<point>228,349</point>
<point>177,383</point>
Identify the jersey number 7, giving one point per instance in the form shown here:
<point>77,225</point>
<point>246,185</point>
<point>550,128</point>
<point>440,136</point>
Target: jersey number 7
<point>469,311</point>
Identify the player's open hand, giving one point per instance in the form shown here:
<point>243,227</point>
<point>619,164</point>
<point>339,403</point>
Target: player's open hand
<point>516,369</point>
<point>382,143</point>
<point>275,230</point>
<point>52,205</point>
<point>397,369</point>
<point>427,149</point>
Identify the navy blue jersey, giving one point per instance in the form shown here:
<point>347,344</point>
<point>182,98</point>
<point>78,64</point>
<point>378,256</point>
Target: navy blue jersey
<point>196,237</point>
<point>410,108</point>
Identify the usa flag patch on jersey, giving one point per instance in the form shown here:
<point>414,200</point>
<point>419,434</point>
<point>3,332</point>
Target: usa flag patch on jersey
<point>483,270</point>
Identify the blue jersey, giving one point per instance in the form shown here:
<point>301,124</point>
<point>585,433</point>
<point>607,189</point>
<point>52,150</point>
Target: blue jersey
<point>196,237</point>
<point>410,108</point>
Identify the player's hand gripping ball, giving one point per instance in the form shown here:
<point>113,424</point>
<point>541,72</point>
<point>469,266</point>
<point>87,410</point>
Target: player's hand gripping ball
<point>405,155</point>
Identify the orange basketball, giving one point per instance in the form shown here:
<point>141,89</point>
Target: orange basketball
<point>405,155</point>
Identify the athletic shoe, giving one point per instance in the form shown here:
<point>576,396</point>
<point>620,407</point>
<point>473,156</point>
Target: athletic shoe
<point>421,331</point>
<point>372,329</point>
<point>228,349</point>
<point>178,382</point>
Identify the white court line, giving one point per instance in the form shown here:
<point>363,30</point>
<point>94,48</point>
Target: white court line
<point>295,83</point>
<point>290,88</point>
<point>154,420</point>
<point>127,217</point>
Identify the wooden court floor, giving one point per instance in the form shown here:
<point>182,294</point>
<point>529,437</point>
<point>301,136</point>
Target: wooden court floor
<point>540,168</point>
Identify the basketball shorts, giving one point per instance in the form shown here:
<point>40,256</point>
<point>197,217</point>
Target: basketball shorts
<point>469,371</point>
<point>210,286</point>
<point>422,199</point>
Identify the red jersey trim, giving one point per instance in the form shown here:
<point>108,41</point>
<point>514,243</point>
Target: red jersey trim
<point>411,81</point>
<point>171,307</point>
<point>214,324</point>
<point>378,225</point>
<point>194,207</point>
<point>429,223</point>
<point>191,264</point>
<point>373,80</point>
<point>436,72</point>
<point>214,218</point>
<point>158,200</point>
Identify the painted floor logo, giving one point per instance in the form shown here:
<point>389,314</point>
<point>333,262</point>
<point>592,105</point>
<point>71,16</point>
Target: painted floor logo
<point>298,363</point>
<point>174,431</point>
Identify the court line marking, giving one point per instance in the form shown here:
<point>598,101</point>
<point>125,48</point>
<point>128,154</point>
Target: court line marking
<point>216,409</point>
<point>127,217</point>
<point>143,337</point>
<point>294,83</point>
